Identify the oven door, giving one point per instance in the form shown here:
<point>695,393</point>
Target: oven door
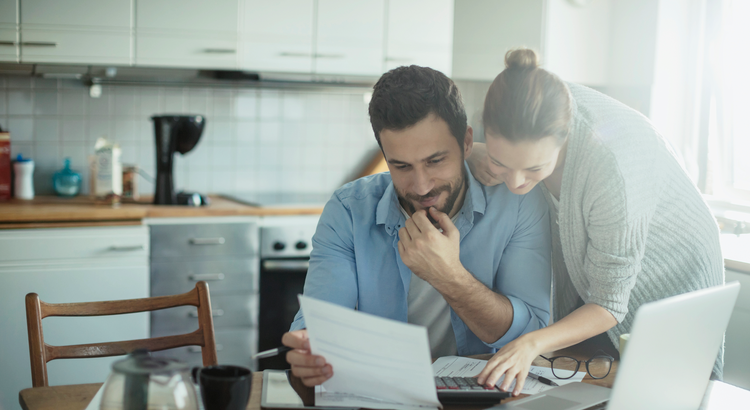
<point>281,280</point>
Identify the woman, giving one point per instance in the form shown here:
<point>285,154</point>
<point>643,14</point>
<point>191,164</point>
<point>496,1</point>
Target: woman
<point>628,225</point>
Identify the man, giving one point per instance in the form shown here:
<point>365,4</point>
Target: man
<point>426,243</point>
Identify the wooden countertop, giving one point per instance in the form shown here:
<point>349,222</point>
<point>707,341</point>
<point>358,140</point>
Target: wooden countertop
<point>51,211</point>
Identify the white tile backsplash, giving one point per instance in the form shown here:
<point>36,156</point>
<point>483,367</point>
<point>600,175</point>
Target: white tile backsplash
<point>256,140</point>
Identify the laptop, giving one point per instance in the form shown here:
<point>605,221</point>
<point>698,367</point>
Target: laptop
<point>670,354</point>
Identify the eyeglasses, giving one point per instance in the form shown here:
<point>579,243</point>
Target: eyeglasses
<point>597,367</point>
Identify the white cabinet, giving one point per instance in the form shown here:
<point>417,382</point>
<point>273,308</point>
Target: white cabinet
<point>80,31</point>
<point>484,30</point>
<point>737,342</point>
<point>277,35</point>
<point>187,33</point>
<point>9,49</point>
<point>577,41</point>
<point>349,37</point>
<point>68,265</point>
<point>420,32</point>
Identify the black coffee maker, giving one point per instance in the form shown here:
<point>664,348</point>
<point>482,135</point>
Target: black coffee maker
<point>173,133</point>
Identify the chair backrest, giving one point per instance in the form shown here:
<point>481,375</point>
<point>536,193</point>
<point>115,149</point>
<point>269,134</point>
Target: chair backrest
<point>41,353</point>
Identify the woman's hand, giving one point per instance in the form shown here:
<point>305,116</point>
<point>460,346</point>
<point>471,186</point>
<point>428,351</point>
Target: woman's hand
<point>514,361</point>
<point>479,164</point>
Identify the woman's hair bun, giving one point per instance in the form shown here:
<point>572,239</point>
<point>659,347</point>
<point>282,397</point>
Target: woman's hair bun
<point>521,58</point>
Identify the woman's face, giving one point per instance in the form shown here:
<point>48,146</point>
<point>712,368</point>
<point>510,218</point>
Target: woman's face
<point>523,164</point>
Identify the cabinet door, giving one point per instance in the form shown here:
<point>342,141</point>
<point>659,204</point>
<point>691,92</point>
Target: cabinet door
<point>81,31</point>
<point>484,30</point>
<point>187,33</point>
<point>9,30</point>
<point>75,283</point>
<point>420,32</point>
<point>349,37</point>
<point>277,35</point>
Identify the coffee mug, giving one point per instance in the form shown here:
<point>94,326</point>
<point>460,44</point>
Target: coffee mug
<point>224,387</point>
<point>623,341</point>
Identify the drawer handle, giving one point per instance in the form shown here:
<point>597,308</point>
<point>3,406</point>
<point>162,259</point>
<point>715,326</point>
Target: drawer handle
<point>131,248</point>
<point>285,265</point>
<point>220,51</point>
<point>206,276</point>
<point>8,43</point>
<point>197,349</point>
<point>214,313</point>
<point>39,44</point>
<point>207,241</point>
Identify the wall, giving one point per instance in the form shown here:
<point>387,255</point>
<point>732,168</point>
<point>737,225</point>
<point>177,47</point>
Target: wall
<point>261,140</point>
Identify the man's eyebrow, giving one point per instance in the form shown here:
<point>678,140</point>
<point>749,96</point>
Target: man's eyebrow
<point>431,157</point>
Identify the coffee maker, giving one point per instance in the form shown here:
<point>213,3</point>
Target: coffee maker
<point>173,133</point>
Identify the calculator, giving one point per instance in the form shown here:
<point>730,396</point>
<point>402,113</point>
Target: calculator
<point>467,390</point>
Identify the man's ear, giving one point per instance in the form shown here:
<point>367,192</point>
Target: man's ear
<point>468,141</point>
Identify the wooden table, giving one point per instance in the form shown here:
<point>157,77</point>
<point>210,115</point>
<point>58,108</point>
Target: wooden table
<point>76,397</point>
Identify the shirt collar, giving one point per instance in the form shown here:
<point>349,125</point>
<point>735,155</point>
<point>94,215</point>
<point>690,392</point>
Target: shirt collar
<point>388,211</point>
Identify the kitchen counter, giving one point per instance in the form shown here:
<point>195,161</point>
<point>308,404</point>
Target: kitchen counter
<point>52,211</point>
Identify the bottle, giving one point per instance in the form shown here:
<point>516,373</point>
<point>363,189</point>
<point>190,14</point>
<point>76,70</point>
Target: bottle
<point>66,181</point>
<point>24,168</point>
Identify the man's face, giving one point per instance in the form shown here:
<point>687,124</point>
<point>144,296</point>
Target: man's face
<point>427,165</point>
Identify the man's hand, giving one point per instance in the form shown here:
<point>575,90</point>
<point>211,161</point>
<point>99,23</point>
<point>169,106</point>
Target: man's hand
<point>313,370</point>
<point>479,164</point>
<point>430,254</point>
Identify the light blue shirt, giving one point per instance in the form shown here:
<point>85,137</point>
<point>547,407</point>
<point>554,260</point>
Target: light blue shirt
<point>505,244</point>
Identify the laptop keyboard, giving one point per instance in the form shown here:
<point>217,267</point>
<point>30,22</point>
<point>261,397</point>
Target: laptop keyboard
<point>459,383</point>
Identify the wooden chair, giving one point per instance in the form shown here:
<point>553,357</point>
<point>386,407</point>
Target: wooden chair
<point>41,352</point>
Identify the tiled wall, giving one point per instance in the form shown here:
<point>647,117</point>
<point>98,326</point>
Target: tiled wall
<point>256,140</point>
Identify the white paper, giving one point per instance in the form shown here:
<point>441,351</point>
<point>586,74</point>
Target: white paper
<point>454,366</point>
<point>384,361</point>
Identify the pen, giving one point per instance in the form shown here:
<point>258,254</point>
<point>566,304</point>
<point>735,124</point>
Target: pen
<point>272,352</point>
<point>543,379</point>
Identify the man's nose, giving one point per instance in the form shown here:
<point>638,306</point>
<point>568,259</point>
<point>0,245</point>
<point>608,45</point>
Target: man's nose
<point>422,183</point>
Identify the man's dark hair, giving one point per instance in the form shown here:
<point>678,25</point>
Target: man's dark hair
<point>406,95</point>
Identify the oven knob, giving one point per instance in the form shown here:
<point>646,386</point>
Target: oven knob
<point>301,245</point>
<point>279,246</point>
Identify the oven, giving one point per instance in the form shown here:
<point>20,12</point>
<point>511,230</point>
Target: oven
<point>285,248</point>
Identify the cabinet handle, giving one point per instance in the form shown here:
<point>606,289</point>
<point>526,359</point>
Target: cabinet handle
<point>398,60</point>
<point>207,241</point>
<point>8,43</point>
<point>206,276</point>
<point>214,313</point>
<point>116,248</point>
<point>329,55</point>
<point>197,349</point>
<point>285,265</point>
<point>220,51</point>
<point>39,44</point>
<point>292,54</point>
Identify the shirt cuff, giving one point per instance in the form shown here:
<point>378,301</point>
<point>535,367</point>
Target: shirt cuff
<point>522,323</point>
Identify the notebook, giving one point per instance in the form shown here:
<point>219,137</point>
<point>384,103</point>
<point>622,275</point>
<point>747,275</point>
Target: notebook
<point>671,352</point>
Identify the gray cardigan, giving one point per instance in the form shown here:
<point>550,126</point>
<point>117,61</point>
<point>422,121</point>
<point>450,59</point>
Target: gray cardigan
<point>631,227</point>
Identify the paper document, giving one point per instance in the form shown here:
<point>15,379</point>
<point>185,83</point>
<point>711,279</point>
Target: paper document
<point>377,363</point>
<point>454,366</point>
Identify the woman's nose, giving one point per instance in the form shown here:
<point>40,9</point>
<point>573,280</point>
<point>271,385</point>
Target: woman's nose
<point>515,179</point>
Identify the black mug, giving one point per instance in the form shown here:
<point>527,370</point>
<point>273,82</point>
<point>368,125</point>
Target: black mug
<point>224,387</point>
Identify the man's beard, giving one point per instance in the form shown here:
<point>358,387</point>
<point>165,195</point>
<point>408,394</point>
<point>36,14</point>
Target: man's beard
<point>458,186</point>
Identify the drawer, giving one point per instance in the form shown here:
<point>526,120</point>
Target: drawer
<point>58,244</point>
<point>233,346</point>
<point>228,311</point>
<point>227,275</point>
<point>195,241</point>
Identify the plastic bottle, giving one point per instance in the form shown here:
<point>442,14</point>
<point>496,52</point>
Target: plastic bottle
<point>24,168</point>
<point>66,181</point>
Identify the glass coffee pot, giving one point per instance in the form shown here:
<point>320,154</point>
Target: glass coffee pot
<point>143,382</point>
